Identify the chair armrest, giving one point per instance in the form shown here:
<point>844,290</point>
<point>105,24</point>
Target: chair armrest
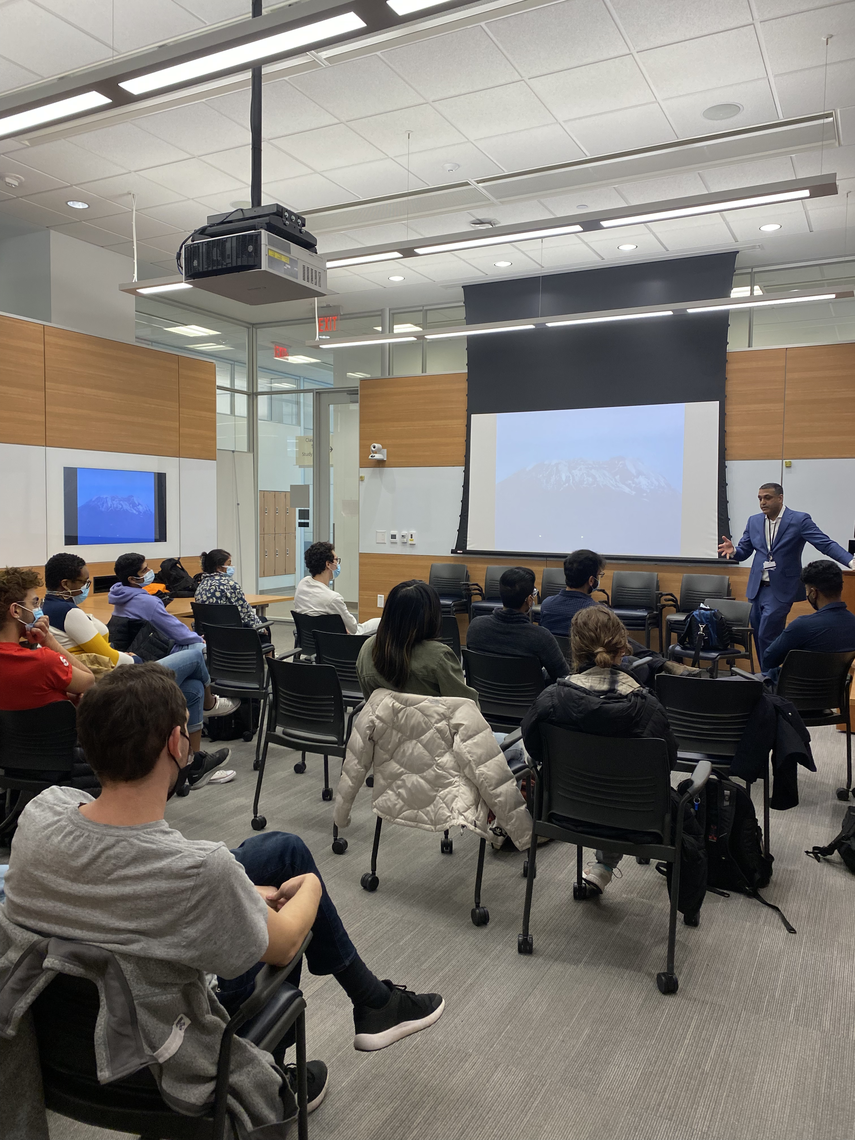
<point>291,653</point>
<point>600,590</point>
<point>664,599</point>
<point>267,982</point>
<point>473,590</point>
<point>735,671</point>
<point>699,777</point>
<point>264,625</point>
<point>353,712</point>
<point>512,739</point>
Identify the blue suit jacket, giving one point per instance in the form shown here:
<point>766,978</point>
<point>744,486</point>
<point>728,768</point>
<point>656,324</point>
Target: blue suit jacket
<point>795,530</point>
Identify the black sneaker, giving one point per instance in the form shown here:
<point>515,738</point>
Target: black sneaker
<point>204,765</point>
<point>404,1013</point>
<point>316,1082</point>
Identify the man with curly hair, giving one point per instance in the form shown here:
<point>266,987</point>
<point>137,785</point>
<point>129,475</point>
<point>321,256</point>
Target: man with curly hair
<point>315,593</point>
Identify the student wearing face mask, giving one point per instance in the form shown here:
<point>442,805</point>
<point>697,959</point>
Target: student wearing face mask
<point>829,629</point>
<point>220,588</point>
<point>314,593</point>
<point>67,585</point>
<point>130,600</point>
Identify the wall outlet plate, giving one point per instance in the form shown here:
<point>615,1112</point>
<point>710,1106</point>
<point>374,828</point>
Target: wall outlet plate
<point>380,600</point>
<point>380,536</point>
<point>404,534</point>
<point>412,538</point>
<point>393,536</point>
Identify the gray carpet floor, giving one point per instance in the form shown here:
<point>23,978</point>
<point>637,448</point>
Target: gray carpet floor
<point>575,1041</point>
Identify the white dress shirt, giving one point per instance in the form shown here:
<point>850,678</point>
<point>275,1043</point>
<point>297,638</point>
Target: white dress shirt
<point>313,597</point>
<point>770,526</point>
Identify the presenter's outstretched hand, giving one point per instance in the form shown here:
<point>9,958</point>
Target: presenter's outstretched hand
<point>726,547</point>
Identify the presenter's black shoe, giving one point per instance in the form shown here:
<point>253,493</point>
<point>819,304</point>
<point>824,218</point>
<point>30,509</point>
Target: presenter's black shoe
<point>404,1013</point>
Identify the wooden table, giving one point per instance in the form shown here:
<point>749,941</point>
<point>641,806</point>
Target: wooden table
<point>99,606</point>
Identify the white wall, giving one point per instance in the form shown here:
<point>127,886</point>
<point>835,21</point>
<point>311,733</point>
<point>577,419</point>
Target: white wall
<point>84,289</point>
<point>423,499</point>
<point>25,285</point>
<point>237,518</point>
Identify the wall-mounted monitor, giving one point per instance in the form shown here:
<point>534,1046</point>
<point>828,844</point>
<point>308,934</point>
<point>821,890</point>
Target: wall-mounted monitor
<point>106,506</point>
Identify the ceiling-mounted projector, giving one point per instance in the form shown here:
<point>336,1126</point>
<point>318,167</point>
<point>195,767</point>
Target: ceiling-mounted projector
<point>258,256</point>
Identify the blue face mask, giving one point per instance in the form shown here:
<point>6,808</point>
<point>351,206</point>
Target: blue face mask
<point>337,571</point>
<point>147,578</point>
<point>82,596</point>
<point>37,613</point>
<point>230,571</point>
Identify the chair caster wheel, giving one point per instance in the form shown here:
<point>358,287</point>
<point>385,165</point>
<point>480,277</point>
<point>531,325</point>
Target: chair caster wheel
<point>339,846</point>
<point>480,915</point>
<point>446,846</point>
<point>247,736</point>
<point>667,983</point>
<point>525,870</point>
<point>642,862</point>
<point>326,794</point>
<point>259,822</point>
<point>256,765</point>
<point>300,767</point>
<point>369,781</point>
<point>580,891</point>
<point>525,944</point>
<point>842,793</point>
<point>692,919</point>
<point>369,882</point>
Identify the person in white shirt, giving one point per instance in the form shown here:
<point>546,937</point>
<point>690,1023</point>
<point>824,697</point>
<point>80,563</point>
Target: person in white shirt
<point>315,595</point>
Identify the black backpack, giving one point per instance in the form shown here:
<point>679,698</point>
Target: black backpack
<point>843,843</point>
<point>176,579</point>
<point>706,628</point>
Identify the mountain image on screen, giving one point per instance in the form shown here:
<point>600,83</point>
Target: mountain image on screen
<point>115,518</point>
<point>615,506</point>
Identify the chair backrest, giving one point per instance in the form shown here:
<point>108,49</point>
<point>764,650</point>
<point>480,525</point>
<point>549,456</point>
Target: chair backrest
<point>208,613</point>
<point>737,613</point>
<point>552,581</point>
<point>564,646</point>
<point>307,701</point>
<point>447,579</point>
<point>708,715</point>
<point>235,656</point>
<point>449,633</point>
<point>491,583</point>
<point>635,589</point>
<point>506,686</point>
<point>307,624</point>
<point>122,631</point>
<point>694,588</point>
<point>815,680</point>
<point>621,782</point>
<point>341,651</point>
<point>39,740</point>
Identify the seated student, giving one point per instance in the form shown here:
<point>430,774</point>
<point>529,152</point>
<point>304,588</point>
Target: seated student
<point>601,699</point>
<point>405,655</point>
<point>314,593</point>
<point>190,905</point>
<point>67,582</point>
<point>130,600</point>
<point>830,629</point>
<point>509,630</point>
<point>219,588</point>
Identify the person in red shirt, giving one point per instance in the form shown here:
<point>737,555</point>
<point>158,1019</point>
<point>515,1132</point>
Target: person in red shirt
<point>34,668</point>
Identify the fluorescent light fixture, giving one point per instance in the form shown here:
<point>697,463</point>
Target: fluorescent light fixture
<point>476,332</point>
<point>231,59</point>
<point>757,304</point>
<point>709,208</point>
<point>49,112</point>
<point>603,320</point>
<point>366,259</point>
<point>745,291</point>
<point>190,330</point>
<point>406,327</point>
<point>212,347</point>
<point>406,7</point>
<point>366,343</point>
<point>75,205</point>
<point>359,375</point>
<point>165,288</point>
<point>302,360</point>
<point>498,239</point>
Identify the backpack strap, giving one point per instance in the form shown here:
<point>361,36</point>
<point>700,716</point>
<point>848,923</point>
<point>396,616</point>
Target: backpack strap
<point>755,894</point>
<point>847,832</point>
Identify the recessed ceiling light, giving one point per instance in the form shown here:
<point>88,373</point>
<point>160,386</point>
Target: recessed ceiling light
<point>770,227</point>
<point>75,205</point>
<point>627,247</point>
<point>583,206</point>
<point>49,112</point>
<point>450,167</point>
<point>164,288</point>
<point>502,264</point>
<point>190,330</point>
<point>397,277</point>
<point>720,111</point>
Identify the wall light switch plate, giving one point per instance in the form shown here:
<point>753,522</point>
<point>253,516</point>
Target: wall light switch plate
<point>404,533</point>
<point>380,600</point>
<point>393,536</point>
<point>412,538</point>
<point>380,536</point>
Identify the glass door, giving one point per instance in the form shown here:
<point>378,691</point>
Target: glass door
<point>336,479</point>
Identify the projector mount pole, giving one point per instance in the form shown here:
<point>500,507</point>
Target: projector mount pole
<point>255,123</point>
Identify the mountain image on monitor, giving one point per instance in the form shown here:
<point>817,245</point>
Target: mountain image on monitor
<point>614,506</point>
<point>114,518</point>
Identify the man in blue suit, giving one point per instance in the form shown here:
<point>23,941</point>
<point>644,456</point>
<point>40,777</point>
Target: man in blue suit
<point>778,536</point>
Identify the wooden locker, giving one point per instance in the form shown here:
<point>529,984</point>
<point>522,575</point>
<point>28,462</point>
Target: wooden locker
<point>279,548</point>
<point>290,553</point>
<point>266,512</point>
<point>267,560</point>
<point>281,504</point>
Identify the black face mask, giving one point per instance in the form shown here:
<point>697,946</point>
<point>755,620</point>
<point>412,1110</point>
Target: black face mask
<point>183,770</point>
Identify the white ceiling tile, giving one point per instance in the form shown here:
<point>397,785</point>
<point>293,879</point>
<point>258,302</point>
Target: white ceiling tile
<point>768,9</point>
<point>657,189</point>
<point>513,107</point>
<point>12,76</point>
<point>138,25</point>
<point>9,145</point>
<point>285,110</point>
<point>606,242</point>
<point>847,125</point>
<point>558,36</point>
<point>95,17</point>
<point>473,163</point>
<point>693,233</point>
<point>329,147</point>
<point>796,42</point>
<point>622,130</point>
<point>449,223</point>
<point>829,218</point>
<point>311,192</point>
<point>584,199</point>
<point>126,144</point>
<point>426,127</point>
<point>380,274</point>
<point>145,252</point>
<point>749,174</point>
<point>186,216</point>
<point>668,21</point>
<point>448,269</point>
<point>542,146</point>
<point>196,128</point>
<point>755,97</point>
<point>568,255</point>
<point>593,89</point>
<point>839,160</point>
<point>332,242</point>
<point>373,179</point>
<point>513,212</point>
<point>522,257</point>
<point>216,11</point>
<point>371,235</point>
<point>120,188</point>
<point>452,64</point>
<point>360,87</point>
<point>808,91</point>
<point>98,207</point>
<point>340,282</point>
<point>225,201</point>
<point>69,162</point>
<point>43,43</point>
<point>26,211</point>
<point>274,164</point>
<point>746,223</point>
<point>705,63</point>
<point>84,231</point>
<point>192,176</point>
<point>32,181</point>
<point>147,227</point>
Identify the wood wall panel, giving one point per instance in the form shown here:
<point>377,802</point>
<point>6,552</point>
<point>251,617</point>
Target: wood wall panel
<point>197,400</point>
<point>22,382</point>
<point>105,395</point>
<point>420,420</point>
<point>820,406</point>
<point>754,404</point>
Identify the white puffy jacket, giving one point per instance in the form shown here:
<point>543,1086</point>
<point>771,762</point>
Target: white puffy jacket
<point>436,765</point>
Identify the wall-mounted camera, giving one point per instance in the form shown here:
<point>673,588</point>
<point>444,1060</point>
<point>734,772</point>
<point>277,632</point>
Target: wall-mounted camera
<point>377,452</point>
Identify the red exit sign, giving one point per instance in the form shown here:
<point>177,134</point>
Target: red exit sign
<point>281,351</point>
<point>327,324</point>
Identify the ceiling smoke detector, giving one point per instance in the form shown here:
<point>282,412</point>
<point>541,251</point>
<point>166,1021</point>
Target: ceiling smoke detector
<point>12,181</point>
<point>483,223</point>
<point>720,111</point>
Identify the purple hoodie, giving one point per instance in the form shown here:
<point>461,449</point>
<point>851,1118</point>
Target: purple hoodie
<point>132,602</point>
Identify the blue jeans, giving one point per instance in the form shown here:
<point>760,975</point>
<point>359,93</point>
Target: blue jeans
<point>269,860</point>
<point>191,675</point>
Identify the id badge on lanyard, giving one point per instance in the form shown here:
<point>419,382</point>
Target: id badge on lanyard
<point>769,564</point>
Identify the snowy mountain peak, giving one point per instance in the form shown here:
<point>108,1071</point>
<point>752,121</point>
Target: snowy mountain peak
<point>128,504</point>
<point>625,474</point>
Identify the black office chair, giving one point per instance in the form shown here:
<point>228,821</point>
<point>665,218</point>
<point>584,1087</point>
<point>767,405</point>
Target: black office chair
<point>819,685</point>
<point>209,613</point>
<point>738,615</point>
<point>709,720</point>
<point>635,599</point>
<point>451,581</point>
<point>236,664</point>
<point>65,1013</point>
<point>694,589</point>
<point>449,633</point>
<point>305,626</point>
<point>306,714</point>
<point>506,686</point>
<point>551,582</point>
<point>591,788</point>
<point>491,600</point>
<point>564,646</point>
<point>341,651</point>
<point>37,750</point>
